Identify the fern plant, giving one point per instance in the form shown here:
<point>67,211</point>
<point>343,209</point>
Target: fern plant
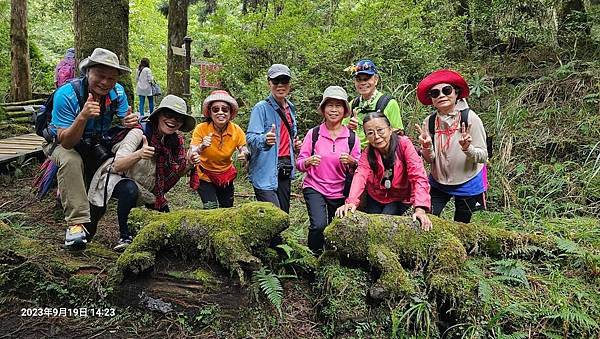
<point>511,270</point>
<point>269,284</point>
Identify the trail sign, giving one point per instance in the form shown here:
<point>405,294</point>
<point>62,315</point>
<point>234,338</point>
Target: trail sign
<point>178,50</point>
<point>208,75</point>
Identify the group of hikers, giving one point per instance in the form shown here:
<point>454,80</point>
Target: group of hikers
<point>357,158</point>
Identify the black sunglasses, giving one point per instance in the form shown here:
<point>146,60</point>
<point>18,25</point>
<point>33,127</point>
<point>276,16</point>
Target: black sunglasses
<point>280,80</point>
<point>446,90</point>
<point>173,115</point>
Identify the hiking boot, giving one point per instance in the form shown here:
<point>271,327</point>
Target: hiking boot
<point>122,244</point>
<point>76,237</point>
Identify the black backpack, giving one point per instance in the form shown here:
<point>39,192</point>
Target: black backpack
<point>351,142</point>
<point>464,117</point>
<point>44,114</point>
<point>379,106</point>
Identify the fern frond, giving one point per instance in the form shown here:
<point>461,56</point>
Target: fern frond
<point>568,246</point>
<point>270,285</point>
<point>484,291</point>
<point>578,318</point>
<point>511,270</point>
<point>530,250</point>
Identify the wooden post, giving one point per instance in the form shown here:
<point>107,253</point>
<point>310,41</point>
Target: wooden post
<point>187,41</point>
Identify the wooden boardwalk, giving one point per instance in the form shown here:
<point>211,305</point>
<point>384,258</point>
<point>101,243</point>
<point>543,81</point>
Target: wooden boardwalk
<point>27,145</point>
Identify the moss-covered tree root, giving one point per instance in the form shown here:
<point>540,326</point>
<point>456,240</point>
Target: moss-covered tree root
<point>389,242</point>
<point>229,235</point>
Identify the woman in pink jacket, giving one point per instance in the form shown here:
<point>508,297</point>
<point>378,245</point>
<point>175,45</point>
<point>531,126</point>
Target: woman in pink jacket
<point>392,173</point>
<point>329,156</point>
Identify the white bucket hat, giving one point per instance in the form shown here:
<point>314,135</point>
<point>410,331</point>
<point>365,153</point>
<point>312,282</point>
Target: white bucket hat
<point>101,56</point>
<point>176,104</point>
<point>335,92</point>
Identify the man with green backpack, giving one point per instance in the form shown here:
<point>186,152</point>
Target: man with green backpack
<point>369,100</point>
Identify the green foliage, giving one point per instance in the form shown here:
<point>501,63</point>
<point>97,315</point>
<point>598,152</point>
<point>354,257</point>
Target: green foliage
<point>511,270</point>
<point>418,317</point>
<point>402,46</point>
<point>269,284</point>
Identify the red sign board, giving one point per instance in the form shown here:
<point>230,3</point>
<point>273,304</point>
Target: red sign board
<point>209,75</point>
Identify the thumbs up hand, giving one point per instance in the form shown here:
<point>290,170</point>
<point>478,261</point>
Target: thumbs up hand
<point>206,142</point>
<point>130,120</point>
<point>147,151</point>
<point>271,137</point>
<point>91,108</point>
<point>353,124</point>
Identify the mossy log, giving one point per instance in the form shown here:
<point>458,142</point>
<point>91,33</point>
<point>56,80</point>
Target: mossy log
<point>229,235</point>
<point>390,242</point>
<point>35,269</point>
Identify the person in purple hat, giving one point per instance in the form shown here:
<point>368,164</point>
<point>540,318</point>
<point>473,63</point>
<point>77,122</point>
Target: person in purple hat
<point>454,143</point>
<point>366,79</point>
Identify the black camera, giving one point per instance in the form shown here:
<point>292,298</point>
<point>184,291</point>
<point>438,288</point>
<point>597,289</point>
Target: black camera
<point>93,152</point>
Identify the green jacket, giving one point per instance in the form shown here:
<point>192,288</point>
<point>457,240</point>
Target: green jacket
<point>392,111</point>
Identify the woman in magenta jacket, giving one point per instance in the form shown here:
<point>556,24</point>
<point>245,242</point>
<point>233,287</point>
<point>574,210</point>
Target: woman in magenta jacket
<point>392,172</point>
<point>327,164</point>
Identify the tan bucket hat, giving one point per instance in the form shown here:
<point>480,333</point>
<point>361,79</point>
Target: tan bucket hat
<point>101,56</point>
<point>220,95</point>
<point>176,104</point>
<point>336,92</point>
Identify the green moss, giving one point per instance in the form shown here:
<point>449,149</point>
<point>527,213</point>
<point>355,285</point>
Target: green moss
<point>97,250</point>
<point>228,234</point>
<point>206,278</point>
<point>387,241</point>
<point>394,279</point>
<point>344,294</point>
<point>81,283</point>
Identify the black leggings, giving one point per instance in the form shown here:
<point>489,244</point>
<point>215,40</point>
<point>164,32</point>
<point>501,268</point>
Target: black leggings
<point>321,211</point>
<point>464,205</point>
<point>126,191</point>
<point>392,208</point>
<point>214,196</point>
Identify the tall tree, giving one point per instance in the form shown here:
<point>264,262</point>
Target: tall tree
<point>178,20</point>
<point>103,23</point>
<point>20,84</point>
<point>574,27</point>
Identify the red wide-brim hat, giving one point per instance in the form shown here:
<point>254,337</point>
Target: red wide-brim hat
<point>446,76</point>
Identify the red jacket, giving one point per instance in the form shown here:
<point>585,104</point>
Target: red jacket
<point>409,185</point>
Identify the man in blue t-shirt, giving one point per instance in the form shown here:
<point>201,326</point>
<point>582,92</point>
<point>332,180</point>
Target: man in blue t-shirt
<point>77,130</point>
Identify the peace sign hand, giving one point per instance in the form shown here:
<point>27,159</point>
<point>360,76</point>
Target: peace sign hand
<point>465,137</point>
<point>424,137</point>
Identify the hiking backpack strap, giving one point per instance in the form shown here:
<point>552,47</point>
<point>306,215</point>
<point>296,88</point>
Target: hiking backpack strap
<point>79,89</point>
<point>354,103</point>
<point>351,140</point>
<point>464,117</point>
<point>431,127</point>
<point>315,137</point>
<point>399,150</point>
<point>382,102</point>
<point>282,116</point>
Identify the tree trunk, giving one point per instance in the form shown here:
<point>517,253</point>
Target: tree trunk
<point>211,6</point>
<point>574,26</point>
<point>178,19</point>
<point>103,23</point>
<point>20,84</point>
